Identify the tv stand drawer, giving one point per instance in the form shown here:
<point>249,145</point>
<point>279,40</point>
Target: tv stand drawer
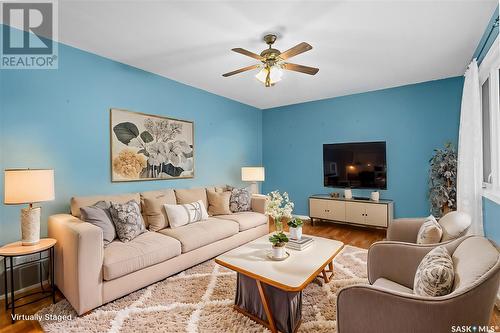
<point>327,209</point>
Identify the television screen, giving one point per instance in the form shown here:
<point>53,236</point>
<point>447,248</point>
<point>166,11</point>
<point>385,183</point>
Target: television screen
<point>355,165</point>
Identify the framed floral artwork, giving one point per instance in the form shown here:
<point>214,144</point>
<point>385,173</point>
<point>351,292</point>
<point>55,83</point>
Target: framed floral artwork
<point>150,147</point>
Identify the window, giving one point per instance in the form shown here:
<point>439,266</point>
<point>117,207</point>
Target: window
<point>489,78</point>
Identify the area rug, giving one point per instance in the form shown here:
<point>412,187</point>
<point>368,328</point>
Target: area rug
<point>200,299</point>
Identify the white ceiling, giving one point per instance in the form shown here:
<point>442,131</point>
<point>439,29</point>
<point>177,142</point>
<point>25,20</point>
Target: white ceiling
<point>358,46</point>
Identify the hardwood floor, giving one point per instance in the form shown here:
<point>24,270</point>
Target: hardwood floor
<point>356,236</point>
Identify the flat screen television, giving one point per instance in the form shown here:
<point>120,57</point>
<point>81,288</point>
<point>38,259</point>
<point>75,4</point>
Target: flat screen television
<point>355,165</point>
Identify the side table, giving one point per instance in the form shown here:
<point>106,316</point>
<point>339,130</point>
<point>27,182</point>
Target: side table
<point>15,250</point>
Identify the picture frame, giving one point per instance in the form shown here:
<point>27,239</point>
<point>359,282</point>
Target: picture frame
<point>147,147</point>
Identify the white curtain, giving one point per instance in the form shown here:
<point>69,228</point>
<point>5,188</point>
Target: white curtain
<point>469,169</point>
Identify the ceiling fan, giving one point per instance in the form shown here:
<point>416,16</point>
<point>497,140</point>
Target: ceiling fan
<point>273,61</point>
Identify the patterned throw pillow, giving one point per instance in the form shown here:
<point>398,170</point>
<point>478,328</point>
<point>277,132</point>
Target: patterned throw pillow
<point>241,199</point>
<point>430,232</point>
<point>179,215</point>
<point>128,220</point>
<point>435,274</point>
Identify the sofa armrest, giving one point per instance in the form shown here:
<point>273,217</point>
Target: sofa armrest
<point>395,312</point>
<point>259,203</point>
<point>78,260</point>
<point>404,230</point>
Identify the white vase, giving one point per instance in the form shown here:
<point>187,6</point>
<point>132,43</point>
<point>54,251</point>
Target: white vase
<point>278,251</point>
<point>348,193</point>
<point>296,233</point>
<point>375,196</point>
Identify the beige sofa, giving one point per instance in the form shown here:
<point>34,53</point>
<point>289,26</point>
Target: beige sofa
<point>89,274</point>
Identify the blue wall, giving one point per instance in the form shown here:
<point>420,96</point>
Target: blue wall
<point>413,119</point>
<point>491,218</point>
<point>60,119</point>
<point>487,42</point>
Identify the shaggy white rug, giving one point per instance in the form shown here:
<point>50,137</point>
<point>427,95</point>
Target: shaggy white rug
<point>200,299</point>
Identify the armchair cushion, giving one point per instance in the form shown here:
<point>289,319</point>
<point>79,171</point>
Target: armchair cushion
<point>392,286</point>
<point>430,232</point>
<point>435,274</point>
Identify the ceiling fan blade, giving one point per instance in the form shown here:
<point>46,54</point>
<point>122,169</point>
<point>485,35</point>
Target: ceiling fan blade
<point>297,49</point>
<point>244,69</point>
<point>300,68</point>
<point>247,53</point>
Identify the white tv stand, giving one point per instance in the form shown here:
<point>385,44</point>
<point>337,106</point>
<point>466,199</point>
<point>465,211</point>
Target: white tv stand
<point>368,213</point>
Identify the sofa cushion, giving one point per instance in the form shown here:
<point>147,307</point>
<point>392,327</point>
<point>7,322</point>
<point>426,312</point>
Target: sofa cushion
<point>435,274</point>
<point>143,251</point>
<point>392,286</point>
<point>79,202</point>
<point>472,259</point>
<point>246,220</point>
<point>127,219</point>
<point>180,215</point>
<point>218,203</point>
<point>195,235</point>
<point>455,225</point>
<point>185,196</point>
<point>152,207</point>
<point>100,216</point>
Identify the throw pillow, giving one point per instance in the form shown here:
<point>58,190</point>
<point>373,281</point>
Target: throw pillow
<point>99,215</point>
<point>454,224</point>
<point>128,220</point>
<point>152,207</point>
<point>435,274</point>
<point>218,203</point>
<point>241,199</point>
<point>430,232</point>
<point>179,215</point>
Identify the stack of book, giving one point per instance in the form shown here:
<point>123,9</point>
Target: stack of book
<point>301,244</point>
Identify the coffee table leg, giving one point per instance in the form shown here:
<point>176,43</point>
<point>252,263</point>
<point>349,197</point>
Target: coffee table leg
<point>265,304</point>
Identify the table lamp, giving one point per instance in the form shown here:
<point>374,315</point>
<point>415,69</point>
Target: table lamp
<point>28,186</point>
<point>253,175</point>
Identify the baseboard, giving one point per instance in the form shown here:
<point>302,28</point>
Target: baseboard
<point>25,289</point>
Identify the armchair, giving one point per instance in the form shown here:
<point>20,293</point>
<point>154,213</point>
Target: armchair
<point>454,224</point>
<point>388,304</point>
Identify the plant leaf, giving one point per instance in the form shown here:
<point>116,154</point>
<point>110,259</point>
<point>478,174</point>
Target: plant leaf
<point>146,137</point>
<point>171,170</point>
<point>125,132</point>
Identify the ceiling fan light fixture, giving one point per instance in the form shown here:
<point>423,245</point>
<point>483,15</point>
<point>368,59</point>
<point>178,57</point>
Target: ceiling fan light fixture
<point>275,74</point>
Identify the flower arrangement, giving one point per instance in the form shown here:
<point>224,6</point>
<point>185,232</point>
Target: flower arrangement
<point>443,180</point>
<point>279,206</point>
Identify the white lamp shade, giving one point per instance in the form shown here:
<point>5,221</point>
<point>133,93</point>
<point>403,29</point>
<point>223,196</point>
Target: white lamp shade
<point>252,174</point>
<point>28,186</point>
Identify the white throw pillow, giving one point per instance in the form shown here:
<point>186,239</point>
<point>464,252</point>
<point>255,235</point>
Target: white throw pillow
<point>430,232</point>
<point>179,215</point>
<point>454,225</point>
<point>435,274</point>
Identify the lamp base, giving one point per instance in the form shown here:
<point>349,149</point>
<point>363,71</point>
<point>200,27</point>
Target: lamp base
<point>254,188</point>
<point>30,225</point>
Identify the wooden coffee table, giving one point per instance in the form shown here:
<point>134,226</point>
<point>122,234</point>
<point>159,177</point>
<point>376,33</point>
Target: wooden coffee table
<point>270,292</point>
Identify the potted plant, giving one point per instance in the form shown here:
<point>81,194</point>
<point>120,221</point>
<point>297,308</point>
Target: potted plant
<point>295,225</point>
<point>443,180</point>
<point>279,241</point>
<point>279,207</point>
